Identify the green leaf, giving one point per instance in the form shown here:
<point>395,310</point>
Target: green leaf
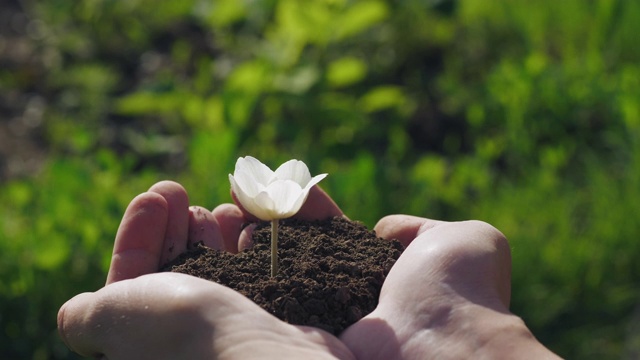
<point>359,17</point>
<point>383,97</point>
<point>224,12</point>
<point>143,103</point>
<point>346,71</point>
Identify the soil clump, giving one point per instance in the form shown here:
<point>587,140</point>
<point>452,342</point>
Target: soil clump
<point>330,275</point>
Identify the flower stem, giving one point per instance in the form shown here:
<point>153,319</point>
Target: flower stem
<point>274,247</point>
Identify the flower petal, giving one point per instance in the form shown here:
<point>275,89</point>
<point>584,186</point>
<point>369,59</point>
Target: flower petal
<point>247,183</point>
<point>247,201</point>
<point>270,195</point>
<point>295,170</point>
<point>265,207</point>
<point>256,170</point>
<point>297,205</point>
<point>316,179</point>
<point>285,194</point>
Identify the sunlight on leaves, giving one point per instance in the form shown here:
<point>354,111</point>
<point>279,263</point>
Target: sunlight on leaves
<point>346,71</point>
<point>383,97</point>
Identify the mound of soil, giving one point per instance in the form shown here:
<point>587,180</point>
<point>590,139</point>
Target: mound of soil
<point>330,275</point>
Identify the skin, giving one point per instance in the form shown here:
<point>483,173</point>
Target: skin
<point>446,297</point>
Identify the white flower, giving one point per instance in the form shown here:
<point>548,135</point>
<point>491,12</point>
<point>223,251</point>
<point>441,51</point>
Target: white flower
<point>271,195</point>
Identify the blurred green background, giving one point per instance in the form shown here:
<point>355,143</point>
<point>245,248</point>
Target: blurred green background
<point>523,114</point>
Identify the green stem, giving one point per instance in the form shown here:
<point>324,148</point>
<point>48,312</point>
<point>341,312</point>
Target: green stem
<point>274,247</point>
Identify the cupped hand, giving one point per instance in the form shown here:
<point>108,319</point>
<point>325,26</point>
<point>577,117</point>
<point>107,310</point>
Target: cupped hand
<point>142,314</point>
<point>447,295</point>
<point>178,316</point>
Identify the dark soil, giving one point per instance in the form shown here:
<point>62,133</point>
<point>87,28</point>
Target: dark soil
<point>330,276</point>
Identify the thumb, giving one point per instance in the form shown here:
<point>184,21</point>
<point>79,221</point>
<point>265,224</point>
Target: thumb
<point>74,325</point>
<point>151,313</point>
<point>404,228</point>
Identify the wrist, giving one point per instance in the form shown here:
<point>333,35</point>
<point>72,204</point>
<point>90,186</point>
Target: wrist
<point>469,331</point>
<point>492,334</point>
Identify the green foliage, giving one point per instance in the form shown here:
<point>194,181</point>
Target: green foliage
<point>53,244</point>
<point>527,117</point>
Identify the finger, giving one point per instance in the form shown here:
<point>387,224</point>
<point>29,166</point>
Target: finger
<point>245,241</point>
<point>404,228</point>
<point>231,221</point>
<point>138,243</point>
<point>204,228</point>
<point>472,257</point>
<point>318,206</point>
<point>177,228</point>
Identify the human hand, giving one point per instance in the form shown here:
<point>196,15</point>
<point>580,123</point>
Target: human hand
<point>142,314</point>
<point>446,295</point>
